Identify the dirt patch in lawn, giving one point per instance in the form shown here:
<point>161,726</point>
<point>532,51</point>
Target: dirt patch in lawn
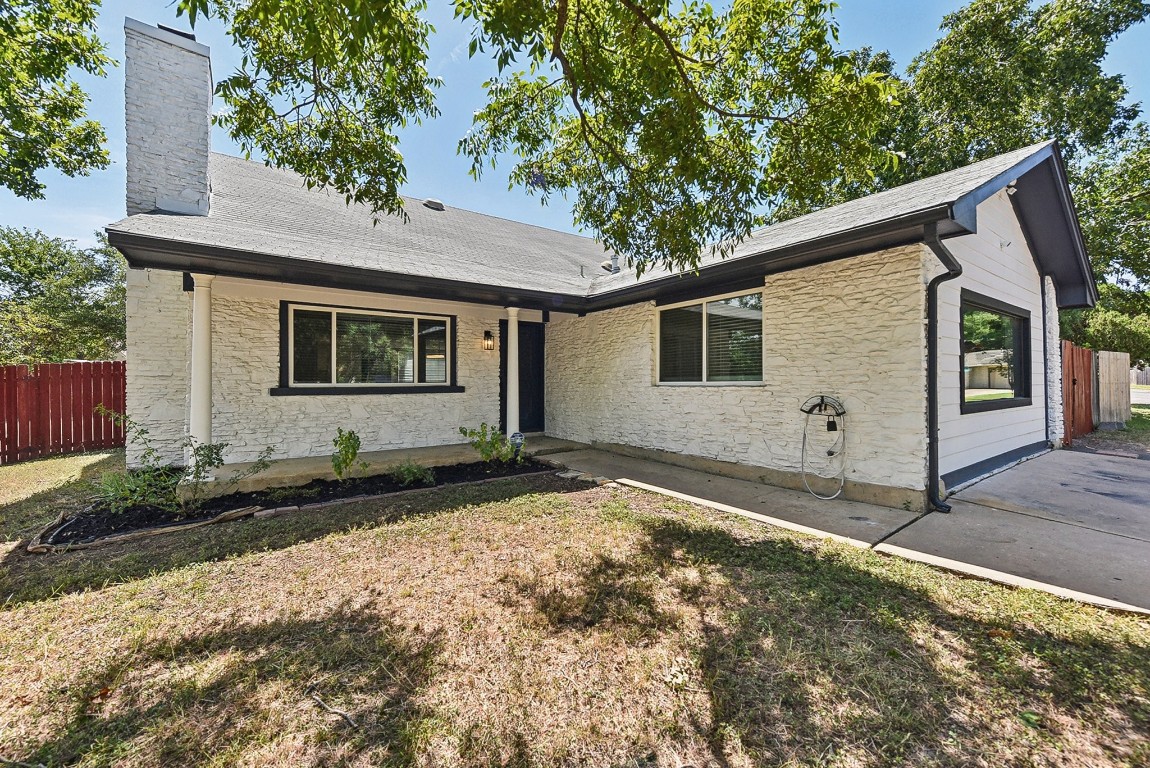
<point>97,522</point>
<point>541,622</point>
<point>1132,441</point>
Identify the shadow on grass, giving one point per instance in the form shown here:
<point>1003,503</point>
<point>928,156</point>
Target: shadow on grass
<point>25,517</point>
<point>219,690</point>
<point>806,658</point>
<point>26,577</point>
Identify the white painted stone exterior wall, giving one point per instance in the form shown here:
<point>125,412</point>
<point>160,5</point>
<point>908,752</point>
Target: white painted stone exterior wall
<point>997,263</point>
<point>168,103</point>
<point>159,318</point>
<point>1054,402</point>
<point>245,366</point>
<point>854,329</point>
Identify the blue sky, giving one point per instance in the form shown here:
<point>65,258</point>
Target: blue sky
<point>74,208</point>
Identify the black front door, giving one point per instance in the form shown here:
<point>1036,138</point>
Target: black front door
<point>530,376</point>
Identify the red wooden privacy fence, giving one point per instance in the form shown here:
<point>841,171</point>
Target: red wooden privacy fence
<point>50,409</point>
<point>1077,391</point>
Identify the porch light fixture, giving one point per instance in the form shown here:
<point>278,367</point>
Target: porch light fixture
<point>488,340</point>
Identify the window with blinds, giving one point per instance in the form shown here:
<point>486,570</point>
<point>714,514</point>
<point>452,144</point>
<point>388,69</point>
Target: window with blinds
<point>716,341</point>
<point>356,347</point>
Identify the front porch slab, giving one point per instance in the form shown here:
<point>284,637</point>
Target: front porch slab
<point>292,472</point>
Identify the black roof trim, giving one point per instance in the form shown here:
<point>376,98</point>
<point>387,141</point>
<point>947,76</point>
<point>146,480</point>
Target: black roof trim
<point>841,245</point>
<point>144,252</point>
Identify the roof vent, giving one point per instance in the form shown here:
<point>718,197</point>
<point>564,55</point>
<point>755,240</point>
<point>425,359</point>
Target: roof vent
<point>181,33</point>
<point>607,266</point>
<point>433,204</point>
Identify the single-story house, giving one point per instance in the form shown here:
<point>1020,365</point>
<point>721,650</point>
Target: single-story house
<point>262,313</point>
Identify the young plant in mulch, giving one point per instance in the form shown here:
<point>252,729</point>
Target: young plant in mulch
<point>492,445</point>
<point>344,461</point>
<point>412,475</point>
<point>156,497</point>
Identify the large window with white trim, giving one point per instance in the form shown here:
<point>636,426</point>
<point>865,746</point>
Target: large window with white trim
<point>352,347</point>
<point>715,341</point>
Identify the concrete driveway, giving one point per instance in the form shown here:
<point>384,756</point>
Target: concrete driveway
<point>1139,396</point>
<point>1075,520</point>
<point>1076,524</point>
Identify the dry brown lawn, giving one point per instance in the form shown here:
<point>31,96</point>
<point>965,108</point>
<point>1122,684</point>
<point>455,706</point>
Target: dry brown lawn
<point>541,622</point>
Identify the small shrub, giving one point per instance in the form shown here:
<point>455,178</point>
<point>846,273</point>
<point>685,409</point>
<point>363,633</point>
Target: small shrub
<point>282,493</point>
<point>343,461</point>
<point>206,459</point>
<point>491,444</point>
<point>409,473</point>
<point>167,486</point>
<point>144,487</point>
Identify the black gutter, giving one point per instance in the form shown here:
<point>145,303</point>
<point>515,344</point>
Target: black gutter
<point>1045,361</point>
<point>953,270</point>
<point>890,233</point>
<point>144,251</point>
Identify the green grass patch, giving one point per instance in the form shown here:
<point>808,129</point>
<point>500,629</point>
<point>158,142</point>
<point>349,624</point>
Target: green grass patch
<point>1004,395</point>
<point>33,493</point>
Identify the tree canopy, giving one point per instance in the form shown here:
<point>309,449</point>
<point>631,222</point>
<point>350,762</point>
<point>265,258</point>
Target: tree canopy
<point>1005,74</point>
<point>1009,73</point>
<point>671,126</point>
<point>43,110</point>
<point>58,301</point>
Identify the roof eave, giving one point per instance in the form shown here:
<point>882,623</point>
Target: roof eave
<point>890,233</point>
<point>147,252</point>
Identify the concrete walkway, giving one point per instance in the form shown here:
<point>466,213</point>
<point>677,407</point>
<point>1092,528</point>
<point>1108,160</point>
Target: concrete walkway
<point>1072,524</point>
<point>1075,520</point>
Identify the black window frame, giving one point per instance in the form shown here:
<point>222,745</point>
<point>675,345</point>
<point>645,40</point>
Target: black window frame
<point>287,388</point>
<point>1022,353</point>
<point>702,303</point>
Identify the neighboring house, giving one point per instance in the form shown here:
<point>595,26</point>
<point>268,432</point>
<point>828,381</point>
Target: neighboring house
<point>263,313</point>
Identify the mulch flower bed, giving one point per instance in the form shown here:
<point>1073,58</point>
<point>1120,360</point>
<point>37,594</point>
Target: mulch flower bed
<point>96,523</point>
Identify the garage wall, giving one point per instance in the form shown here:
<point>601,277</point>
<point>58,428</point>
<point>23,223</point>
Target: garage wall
<point>853,329</point>
<point>997,263</point>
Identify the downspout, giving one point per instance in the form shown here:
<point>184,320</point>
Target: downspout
<point>953,270</point>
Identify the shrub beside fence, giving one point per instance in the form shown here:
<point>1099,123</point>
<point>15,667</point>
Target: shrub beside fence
<point>50,409</point>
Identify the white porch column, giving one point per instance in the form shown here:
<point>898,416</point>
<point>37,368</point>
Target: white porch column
<point>200,416</point>
<point>512,383</point>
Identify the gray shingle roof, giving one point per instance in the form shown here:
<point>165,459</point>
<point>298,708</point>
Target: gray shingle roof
<point>898,202</point>
<point>269,211</point>
<point>258,211</point>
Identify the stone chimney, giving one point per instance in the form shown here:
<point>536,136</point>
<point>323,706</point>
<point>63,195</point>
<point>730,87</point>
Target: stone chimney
<point>168,112</point>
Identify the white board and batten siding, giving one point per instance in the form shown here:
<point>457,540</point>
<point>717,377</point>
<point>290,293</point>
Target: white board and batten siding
<point>996,263</point>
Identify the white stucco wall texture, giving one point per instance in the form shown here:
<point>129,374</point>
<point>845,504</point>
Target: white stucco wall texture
<point>853,329</point>
<point>245,366</point>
